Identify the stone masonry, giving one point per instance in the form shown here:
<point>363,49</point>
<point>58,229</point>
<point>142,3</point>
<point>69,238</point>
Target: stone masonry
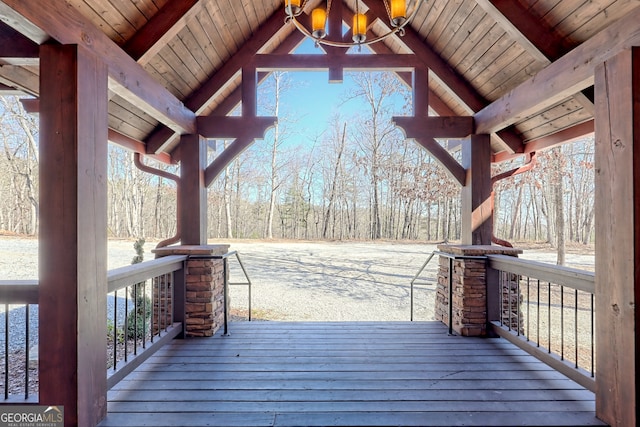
<point>469,287</point>
<point>204,306</point>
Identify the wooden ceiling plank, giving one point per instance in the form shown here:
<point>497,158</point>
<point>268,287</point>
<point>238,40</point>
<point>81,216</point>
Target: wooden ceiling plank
<point>20,78</point>
<point>199,100</point>
<point>568,75</point>
<point>572,133</point>
<point>65,24</point>
<point>160,29</point>
<point>465,94</point>
<point>441,68</point>
<point>544,44</point>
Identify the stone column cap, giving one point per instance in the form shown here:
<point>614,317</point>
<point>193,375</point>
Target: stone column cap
<point>192,250</point>
<point>478,250</point>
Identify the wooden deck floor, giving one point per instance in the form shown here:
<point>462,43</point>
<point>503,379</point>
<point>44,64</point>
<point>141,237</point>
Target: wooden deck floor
<point>346,374</point>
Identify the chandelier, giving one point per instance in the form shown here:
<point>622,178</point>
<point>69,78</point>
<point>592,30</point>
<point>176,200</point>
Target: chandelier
<point>397,12</point>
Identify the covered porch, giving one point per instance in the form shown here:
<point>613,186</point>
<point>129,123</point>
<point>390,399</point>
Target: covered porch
<point>348,374</point>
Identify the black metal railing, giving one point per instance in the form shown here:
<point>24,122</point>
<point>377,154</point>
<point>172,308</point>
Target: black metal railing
<point>19,378</point>
<point>548,311</point>
<point>143,315</point>
<point>145,312</point>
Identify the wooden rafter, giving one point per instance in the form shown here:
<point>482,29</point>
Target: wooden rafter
<point>160,29</point>
<point>128,79</point>
<point>460,89</point>
<point>32,106</point>
<point>347,62</point>
<point>562,137</point>
<point>538,39</point>
<point>202,98</point>
<point>229,127</point>
<point>15,48</point>
<point>227,156</point>
<point>563,78</point>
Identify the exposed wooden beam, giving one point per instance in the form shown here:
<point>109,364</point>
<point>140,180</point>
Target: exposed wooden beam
<point>476,202</point>
<point>162,135</point>
<point>227,127</point>
<point>537,38</point>
<point>136,146</point>
<point>547,142</point>
<point>563,78</point>
<point>128,79</point>
<point>445,158</point>
<point>225,158</point>
<point>15,20</point>
<point>8,90</point>
<point>15,48</point>
<point>199,100</point>
<point>160,29</point>
<point>32,106</point>
<point>348,62</point>
<point>459,88</point>
<point>617,233</point>
<point>435,126</point>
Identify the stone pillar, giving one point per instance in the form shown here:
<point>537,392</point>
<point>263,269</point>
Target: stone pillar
<point>470,296</point>
<point>204,294</point>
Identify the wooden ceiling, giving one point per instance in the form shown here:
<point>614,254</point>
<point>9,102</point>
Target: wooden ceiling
<point>193,50</point>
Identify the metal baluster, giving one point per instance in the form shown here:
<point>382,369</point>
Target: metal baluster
<point>126,322</point>
<point>518,303</point>
<point>593,368</point>
<point>549,320</point>
<point>135,319</point>
<point>538,318</point>
<point>6,351</point>
<point>576,325</point>
<point>528,305</point>
<point>509,299</point>
<point>26,367</point>
<point>561,322</point>
<point>144,317</point>
<point>501,287</point>
<point>165,300</point>
<point>115,329</point>
<point>154,285</point>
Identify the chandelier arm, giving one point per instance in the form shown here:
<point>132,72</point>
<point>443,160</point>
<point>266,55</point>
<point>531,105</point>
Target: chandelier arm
<point>400,30</point>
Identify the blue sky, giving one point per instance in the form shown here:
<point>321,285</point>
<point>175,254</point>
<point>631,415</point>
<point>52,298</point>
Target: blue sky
<point>313,100</point>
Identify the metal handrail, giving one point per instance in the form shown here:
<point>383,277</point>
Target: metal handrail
<point>416,277</point>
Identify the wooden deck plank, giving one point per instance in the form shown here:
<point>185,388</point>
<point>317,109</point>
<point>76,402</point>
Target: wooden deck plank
<point>350,374</point>
<point>368,406</point>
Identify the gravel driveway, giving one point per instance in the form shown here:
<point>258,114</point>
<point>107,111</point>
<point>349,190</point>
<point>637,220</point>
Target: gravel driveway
<point>307,281</point>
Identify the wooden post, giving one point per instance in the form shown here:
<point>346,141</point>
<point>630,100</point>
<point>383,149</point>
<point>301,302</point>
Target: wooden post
<point>73,237</point>
<point>617,206</point>
<point>193,192</point>
<point>477,209</point>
